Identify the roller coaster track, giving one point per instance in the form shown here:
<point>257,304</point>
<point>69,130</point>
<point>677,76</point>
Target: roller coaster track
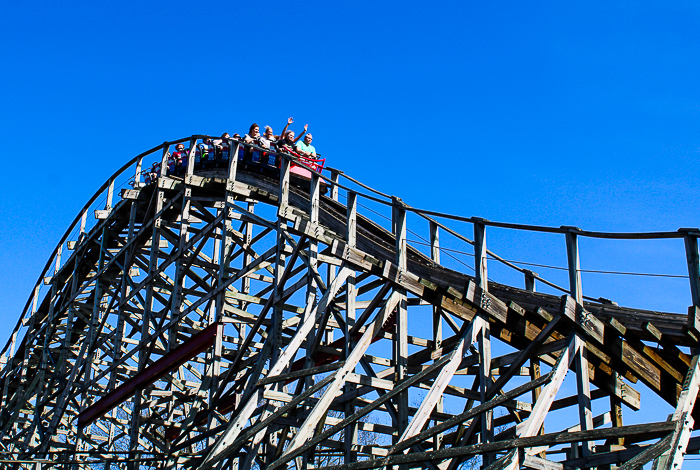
<point>230,318</point>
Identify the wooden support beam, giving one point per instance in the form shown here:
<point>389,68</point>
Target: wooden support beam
<point>437,316</point>
<point>351,434</point>
<point>530,280</point>
<point>582,373</point>
<point>401,341</point>
<point>484,337</point>
<point>693,261</point>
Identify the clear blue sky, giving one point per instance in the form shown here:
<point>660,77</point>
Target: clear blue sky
<point>551,113</point>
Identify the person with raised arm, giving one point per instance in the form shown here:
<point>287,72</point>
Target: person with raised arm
<point>286,143</point>
<point>289,122</point>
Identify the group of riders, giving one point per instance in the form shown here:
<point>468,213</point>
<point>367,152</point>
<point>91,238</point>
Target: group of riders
<point>259,151</point>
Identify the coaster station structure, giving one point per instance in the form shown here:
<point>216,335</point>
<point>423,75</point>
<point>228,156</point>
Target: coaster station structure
<point>228,318</point>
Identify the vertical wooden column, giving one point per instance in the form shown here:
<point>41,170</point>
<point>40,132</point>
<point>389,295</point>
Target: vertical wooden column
<point>278,308</point>
<point>247,259</point>
<point>43,390</point>
<point>437,317</point>
<point>535,366</point>
<point>572,255</point>
<point>484,338</point>
<point>92,336</point>
<point>137,173</point>
<point>401,339</point>
<point>110,195</point>
<point>247,234</point>
<point>314,198</point>
<point>280,262</point>
<point>164,159</point>
<point>616,410</point>
<point>693,259</point>
<point>330,268</point>
<point>350,430</point>
<point>190,156</point>
<point>66,354</point>
<point>135,423</point>
<point>530,280</point>
<point>583,383</point>
<point>223,251</point>
<point>122,312</point>
<point>314,201</point>
<point>223,248</point>
<point>83,223</point>
<point>335,174</point>
<point>25,381</point>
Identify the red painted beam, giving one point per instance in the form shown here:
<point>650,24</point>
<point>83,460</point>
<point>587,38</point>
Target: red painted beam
<point>192,347</point>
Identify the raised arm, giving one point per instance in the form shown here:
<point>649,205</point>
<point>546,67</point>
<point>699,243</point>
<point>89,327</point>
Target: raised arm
<point>289,121</point>
<point>306,126</point>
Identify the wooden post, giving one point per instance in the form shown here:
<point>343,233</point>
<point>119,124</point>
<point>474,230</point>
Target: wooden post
<point>277,312</point>
<point>535,367</point>
<point>122,312</point>
<point>437,317</point>
<point>616,411</point>
<point>164,159</point>
<point>135,423</point>
<point>481,274</point>
<point>314,200</point>
<point>691,253</point>
<point>350,430</point>
<point>83,223</point>
<point>401,340</point>
<point>530,280</point>
<point>247,259</point>
<point>330,268</point>
<point>233,160</point>
<point>334,184</point>
<point>137,173</point>
<point>572,255</point>
<point>583,383</point>
<point>92,335</point>
<point>190,156</point>
<point>110,194</point>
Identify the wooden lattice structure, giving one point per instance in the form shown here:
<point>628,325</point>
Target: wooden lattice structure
<point>230,318</point>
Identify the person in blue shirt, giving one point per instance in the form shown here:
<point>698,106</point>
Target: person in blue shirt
<point>305,148</point>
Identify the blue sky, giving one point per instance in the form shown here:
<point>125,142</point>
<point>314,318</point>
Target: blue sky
<point>554,113</point>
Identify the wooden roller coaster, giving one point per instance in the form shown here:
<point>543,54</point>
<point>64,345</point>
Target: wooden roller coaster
<point>227,317</point>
